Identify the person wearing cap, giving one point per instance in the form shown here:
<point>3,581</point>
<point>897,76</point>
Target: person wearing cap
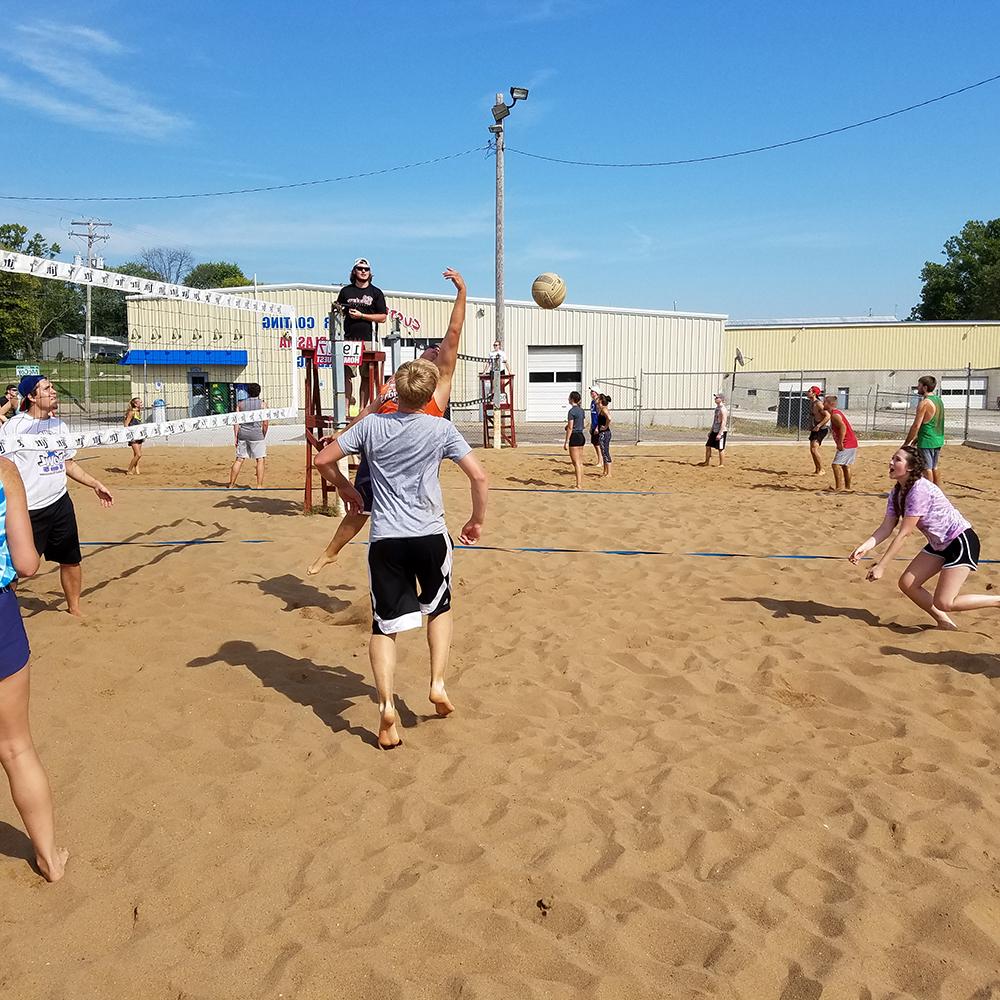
<point>53,518</point>
<point>819,428</point>
<point>362,305</point>
<point>720,428</point>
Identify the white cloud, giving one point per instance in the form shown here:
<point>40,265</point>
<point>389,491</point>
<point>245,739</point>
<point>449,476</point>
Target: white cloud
<point>64,82</point>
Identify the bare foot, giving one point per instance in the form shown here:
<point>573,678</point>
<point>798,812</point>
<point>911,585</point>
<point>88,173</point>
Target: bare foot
<point>77,613</point>
<point>55,868</point>
<point>440,700</point>
<point>702,465</point>
<point>944,622</point>
<point>388,736</point>
<point>320,563</point>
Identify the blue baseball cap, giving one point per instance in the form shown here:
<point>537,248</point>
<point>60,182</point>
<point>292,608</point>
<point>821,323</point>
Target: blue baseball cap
<point>28,383</point>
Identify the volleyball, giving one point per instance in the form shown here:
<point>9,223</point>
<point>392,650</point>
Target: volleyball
<point>548,290</point>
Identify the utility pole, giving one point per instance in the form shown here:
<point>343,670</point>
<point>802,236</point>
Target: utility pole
<point>497,131</point>
<point>501,110</point>
<point>92,236</point>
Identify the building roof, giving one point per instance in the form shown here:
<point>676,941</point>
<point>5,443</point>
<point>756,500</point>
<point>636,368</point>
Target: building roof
<point>816,321</point>
<point>473,300</point>
<point>94,341</point>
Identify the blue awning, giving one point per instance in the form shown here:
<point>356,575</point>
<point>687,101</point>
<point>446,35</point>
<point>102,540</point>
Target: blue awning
<point>234,358</point>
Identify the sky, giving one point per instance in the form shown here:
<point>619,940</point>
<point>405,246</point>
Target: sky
<point>116,99</point>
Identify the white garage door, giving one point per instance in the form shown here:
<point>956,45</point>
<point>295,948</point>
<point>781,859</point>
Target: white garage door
<point>954,391</point>
<point>553,373</point>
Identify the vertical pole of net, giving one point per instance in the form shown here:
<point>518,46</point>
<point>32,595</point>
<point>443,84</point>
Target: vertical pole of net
<point>499,277</point>
<point>638,405</point>
<point>798,423</point>
<point>732,394</point>
<point>968,399</point>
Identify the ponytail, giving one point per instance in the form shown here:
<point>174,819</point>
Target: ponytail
<point>917,467</point>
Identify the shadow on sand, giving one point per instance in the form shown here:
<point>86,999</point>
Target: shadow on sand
<point>984,664</point>
<point>257,504</point>
<point>813,611</point>
<point>297,594</point>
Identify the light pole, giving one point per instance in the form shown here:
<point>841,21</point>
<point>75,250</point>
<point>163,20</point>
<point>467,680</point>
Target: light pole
<point>500,111</point>
<point>91,236</point>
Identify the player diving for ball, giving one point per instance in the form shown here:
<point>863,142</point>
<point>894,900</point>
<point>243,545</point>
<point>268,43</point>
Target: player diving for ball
<point>444,356</point>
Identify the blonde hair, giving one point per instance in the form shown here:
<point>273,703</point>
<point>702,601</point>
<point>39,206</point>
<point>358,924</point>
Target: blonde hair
<point>415,383</point>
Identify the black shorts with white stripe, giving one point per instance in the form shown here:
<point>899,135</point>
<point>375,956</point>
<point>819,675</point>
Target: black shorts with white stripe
<point>961,551</point>
<point>408,577</point>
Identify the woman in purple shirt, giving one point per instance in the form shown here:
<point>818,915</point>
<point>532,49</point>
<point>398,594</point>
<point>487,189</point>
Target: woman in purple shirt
<point>952,548</point>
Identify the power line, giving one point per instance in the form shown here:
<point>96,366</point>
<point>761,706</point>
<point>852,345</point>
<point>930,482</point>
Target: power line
<point>254,190</point>
<point>762,149</point>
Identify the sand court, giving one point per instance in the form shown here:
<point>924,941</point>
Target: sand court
<point>668,775</point>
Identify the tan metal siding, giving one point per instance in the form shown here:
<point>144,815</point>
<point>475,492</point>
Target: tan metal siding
<point>892,347</point>
<point>615,343</point>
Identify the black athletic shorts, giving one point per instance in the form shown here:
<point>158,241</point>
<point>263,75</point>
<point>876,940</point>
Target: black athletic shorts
<point>363,483</point>
<point>818,436</point>
<point>56,535</point>
<point>577,440</point>
<point>409,577</point>
<point>716,441</point>
<point>961,551</point>
<point>595,437</point>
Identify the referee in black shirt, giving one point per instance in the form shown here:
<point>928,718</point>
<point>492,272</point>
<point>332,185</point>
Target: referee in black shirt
<point>362,305</point>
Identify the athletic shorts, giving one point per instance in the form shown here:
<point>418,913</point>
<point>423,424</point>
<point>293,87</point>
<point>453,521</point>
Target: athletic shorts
<point>408,577</point>
<point>716,441</point>
<point>55,531</point>
<point>14,651</point>
<point>961,551</point>
<point>251,449</point>
<point>818,436</point>
<point>845,456</point>
<point>577,440</point>
<point>595,438</point>
<point>931,457</point>
<point>363,483</point>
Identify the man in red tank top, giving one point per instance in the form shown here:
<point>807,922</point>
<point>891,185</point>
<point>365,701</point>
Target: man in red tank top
<point>445,356</point>
<point>847,445</point>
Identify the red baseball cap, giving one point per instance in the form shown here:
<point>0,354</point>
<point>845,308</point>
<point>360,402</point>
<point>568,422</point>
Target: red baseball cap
<point>816,389</point>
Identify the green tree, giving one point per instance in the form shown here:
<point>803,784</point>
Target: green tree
<point>110,314</point>
<point>33,309</point>
<point>216,274</point>
<point>967,285</point>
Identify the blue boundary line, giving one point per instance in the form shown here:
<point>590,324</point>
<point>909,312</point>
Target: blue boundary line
<point>547,550</point>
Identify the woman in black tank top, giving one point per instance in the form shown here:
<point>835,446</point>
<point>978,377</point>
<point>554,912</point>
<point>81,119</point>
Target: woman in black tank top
<point>133,416</point>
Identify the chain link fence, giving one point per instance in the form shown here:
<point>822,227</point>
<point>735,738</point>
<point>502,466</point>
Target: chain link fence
<point>774,405</point>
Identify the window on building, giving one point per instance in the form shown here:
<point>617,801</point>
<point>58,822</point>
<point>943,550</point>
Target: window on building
<point>569,376</point>
<point>541,376</point>
<point>751,392</point>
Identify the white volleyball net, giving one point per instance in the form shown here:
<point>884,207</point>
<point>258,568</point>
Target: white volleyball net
<point>189,357</point>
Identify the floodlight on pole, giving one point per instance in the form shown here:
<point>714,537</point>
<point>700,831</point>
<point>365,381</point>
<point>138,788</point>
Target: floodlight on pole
<point>501,110</point>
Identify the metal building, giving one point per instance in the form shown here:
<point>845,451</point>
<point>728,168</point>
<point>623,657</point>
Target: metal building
<point>856,359</point>
<point>551,353</point>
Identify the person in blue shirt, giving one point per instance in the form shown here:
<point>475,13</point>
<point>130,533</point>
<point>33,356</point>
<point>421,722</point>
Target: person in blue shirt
<point>594,415</point>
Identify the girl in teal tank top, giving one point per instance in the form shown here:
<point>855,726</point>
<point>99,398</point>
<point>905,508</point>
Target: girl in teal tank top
<point>29,785</point>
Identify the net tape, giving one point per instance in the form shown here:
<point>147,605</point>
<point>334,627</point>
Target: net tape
<point>56,270</point>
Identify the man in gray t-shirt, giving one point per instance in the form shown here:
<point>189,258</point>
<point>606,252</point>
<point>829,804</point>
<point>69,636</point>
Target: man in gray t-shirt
<point>410,553</point>
<point>250,437</point>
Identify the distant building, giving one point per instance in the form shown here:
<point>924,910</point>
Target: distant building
<point>69,347</point>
